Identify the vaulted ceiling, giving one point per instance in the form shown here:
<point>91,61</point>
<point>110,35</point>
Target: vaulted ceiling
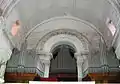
<point>33,12</point>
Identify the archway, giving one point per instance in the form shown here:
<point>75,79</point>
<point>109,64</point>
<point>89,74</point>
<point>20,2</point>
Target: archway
<point>49,44</point>
<point>63,65</point>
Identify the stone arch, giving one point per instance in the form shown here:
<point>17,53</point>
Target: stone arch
<point>63,36</point>
<point>70,37</point>
<point>73,47</point>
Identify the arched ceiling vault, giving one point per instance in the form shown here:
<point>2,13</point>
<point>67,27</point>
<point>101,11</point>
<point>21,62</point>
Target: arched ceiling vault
<point>30,15</point>
<point>60,25</point>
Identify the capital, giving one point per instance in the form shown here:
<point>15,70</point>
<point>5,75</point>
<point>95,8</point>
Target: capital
<point>85,53</point>
<point>46,62</point>
<point>79,58</point>
<point>77,55</point>
<point>45,55</point>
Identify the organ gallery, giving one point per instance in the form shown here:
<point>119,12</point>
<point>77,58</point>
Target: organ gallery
<point>59,40</point>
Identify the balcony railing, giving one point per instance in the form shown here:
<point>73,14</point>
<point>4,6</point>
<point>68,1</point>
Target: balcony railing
<point>25,70</point>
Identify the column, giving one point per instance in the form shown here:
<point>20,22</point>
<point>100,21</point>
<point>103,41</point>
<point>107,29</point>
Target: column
<point>80,71</point>
<point>5,51</point>
<point>85,63</point>
<point>46,69</point>
<point>79,59</point>
<point>82,64</point>
<point>45,59</point>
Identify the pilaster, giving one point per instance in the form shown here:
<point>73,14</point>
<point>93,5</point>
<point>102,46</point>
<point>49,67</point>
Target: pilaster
<point>45,59</point>
<point>79,62</point>
<point>82,63</point>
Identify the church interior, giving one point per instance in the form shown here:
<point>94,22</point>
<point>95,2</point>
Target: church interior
<point>59,40</point>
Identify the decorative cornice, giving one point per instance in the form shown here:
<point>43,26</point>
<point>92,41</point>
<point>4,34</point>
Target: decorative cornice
<point>80,56</point>
<point>85,53</point>
<point>43,53</point>
<point>46,62</point>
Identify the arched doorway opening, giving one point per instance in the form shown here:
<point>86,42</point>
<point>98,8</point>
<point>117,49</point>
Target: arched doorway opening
<point>63,65</point>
